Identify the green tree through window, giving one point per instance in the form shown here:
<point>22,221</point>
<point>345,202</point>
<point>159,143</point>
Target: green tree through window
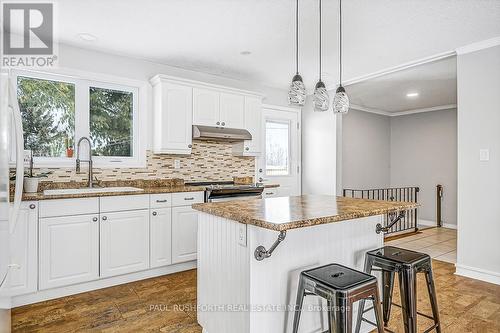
<point>111,119</point>
<point>48,113</point>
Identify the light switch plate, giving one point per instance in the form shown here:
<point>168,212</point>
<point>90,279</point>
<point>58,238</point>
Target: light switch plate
<point>484,154</point>
<point>242,234</point>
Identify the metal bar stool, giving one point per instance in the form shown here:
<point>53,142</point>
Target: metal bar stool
<point>407,264</point>
<point>341,287</point>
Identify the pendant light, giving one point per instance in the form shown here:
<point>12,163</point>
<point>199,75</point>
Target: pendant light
<point>321,100</point>
<point>297,91</point>
<point>341,100</point>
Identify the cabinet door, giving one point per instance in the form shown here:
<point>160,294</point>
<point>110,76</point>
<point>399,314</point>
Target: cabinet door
<point>184,234</point>
<point>24,250</point>
<point>69,250</point>
<point>253,123</point>
<point>124,242</point>
<point>173,118</point>
<point>206,107</point>
<point>161,237</point>
<point>232,110</point>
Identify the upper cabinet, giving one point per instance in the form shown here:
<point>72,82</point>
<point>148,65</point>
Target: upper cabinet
<point>173,118</point>
<point>219,109</point>
<point>181,103</point>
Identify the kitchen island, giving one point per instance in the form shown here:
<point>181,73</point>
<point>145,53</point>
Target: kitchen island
<point>243,288</point>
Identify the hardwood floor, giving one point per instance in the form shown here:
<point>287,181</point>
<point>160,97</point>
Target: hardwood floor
<point>167,304</point>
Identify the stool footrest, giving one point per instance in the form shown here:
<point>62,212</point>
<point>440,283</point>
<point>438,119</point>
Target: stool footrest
<point>419,313</point>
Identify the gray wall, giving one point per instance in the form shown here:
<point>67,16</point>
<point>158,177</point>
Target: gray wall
<point>478,75</point>
<point>424,154</point>
<point>411,150</point>
<point>366,140</point>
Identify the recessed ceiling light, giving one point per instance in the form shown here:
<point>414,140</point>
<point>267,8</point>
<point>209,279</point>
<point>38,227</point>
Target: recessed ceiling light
<point>412,94</point>
<point>87,37</point>
<point>245,52</point>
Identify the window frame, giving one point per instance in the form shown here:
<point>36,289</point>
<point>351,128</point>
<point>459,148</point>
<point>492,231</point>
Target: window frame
<point>289,136</point>
<point>82,83</point>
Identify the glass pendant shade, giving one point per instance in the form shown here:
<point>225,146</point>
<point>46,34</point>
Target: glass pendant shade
<point>321,99</point>
<point>340,101</point>
<point>297,91</point>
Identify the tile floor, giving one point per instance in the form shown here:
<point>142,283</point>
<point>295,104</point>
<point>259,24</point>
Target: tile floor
<point>439,243</point>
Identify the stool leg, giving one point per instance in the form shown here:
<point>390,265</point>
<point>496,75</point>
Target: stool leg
<point>432,296</point>
<point>387,288</point>
<point>408,290</point>
<point>378,311</point>
<point>298,304</point>
<point>361,308</point>
<point>331,316</point>
<point>343,315</point>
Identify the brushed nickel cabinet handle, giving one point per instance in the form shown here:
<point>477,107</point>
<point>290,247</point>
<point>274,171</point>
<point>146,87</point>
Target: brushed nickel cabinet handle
<point>104,218</point>
<point>247,148</point>
<point>223,124</point>
<point>190,198</point>
<point>160,201</point>
<point>155,213</point>
<point>190,146</point>
<point>32,206</point>
<point>218,123</point>
<point>95,219</point>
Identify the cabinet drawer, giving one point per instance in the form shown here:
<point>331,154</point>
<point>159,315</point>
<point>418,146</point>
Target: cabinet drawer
<point>124,202</point>
<point>161,200</point>
<point>65,207</point>
<point>187,198</point>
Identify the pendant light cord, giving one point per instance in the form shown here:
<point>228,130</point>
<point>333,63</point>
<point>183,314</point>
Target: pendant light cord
<point>297,37</point>
<point>320,40</point>
<point>340,41</point>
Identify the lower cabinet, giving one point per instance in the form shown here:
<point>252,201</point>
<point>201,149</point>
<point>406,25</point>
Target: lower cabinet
<point>24,250</point>
<point>124,242</point>
<point>161,237</point>
<point>69,250</point>
<point>185,231</point>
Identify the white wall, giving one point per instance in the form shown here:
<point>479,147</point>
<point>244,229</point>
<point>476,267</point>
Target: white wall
<point>424,154</point>
<point>73,58</point>
<point>318,150</point>
<point>479,181</point>
<point>366,140</point>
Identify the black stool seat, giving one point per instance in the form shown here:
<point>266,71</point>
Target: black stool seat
<point>398,255</point>
<point>338,277</point>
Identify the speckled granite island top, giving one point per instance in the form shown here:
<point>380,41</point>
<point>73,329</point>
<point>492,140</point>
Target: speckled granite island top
<point>300,211</point>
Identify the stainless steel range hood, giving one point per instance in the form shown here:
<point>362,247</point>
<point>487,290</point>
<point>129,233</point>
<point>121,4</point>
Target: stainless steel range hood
<point>220,133</point>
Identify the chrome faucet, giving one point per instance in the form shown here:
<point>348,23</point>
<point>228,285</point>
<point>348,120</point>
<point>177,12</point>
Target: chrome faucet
<point>89,161</point>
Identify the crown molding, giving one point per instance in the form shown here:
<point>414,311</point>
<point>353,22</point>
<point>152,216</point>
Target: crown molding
<point>370,110</point>
<point>401,67</point>
<point>402,113</point>
<point>484,44</point>
<point>434,108</point>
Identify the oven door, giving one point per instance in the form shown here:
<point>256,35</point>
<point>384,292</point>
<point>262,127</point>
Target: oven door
<point>231,197</point>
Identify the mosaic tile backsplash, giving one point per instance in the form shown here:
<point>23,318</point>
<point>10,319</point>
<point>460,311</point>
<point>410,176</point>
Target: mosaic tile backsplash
<point>210,160</point>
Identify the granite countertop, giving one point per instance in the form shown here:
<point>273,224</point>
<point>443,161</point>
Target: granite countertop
<point>300,211</point>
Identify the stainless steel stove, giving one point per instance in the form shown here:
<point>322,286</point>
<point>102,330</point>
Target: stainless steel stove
<point>226,191</point>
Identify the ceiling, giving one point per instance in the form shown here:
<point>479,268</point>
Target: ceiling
<point>435,83</point>
<point>209,35</point>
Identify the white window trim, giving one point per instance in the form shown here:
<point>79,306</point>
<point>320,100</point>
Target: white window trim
<point>289,124</point>
<point>82,82</point>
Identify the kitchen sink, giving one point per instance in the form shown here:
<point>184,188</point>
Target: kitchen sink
<point>86,190</point>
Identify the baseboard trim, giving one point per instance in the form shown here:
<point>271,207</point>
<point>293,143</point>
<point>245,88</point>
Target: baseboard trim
<point>478,274</point>
<point>433,224</point>
<point>44,295</point>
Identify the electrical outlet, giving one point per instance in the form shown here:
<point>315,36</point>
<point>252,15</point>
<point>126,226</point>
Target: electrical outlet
<point>242,234</point>
<point>177,164</point>
<point>27,156</point>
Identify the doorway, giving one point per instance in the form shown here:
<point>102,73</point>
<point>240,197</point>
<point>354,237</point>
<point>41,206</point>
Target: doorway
<point>279,162</point>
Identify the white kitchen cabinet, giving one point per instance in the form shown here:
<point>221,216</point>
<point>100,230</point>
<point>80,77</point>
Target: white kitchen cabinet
<point>69,250</point>
<point>124,242</point>
<point>253,124</point>
<point>24,250</point>
<point>173,117</point>
<point>184,232</point>
<point>232,110</point>
<point>206,107</point>
<point>161,237</point>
